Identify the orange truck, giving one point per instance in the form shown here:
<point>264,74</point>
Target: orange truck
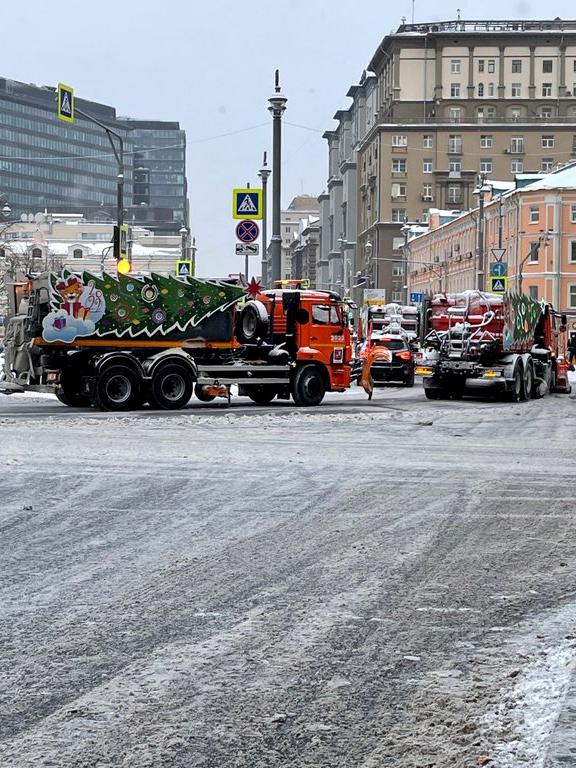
<point>117,342</point>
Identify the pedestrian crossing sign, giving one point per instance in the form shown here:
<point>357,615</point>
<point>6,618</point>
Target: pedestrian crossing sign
<point>184,268</point>
<point>247,203</point>
<point>498,284</point>
<point>66,103</point>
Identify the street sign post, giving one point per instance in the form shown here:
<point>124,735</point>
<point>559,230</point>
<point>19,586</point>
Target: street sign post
<point>499,269</point>
<point>247,249</point>
<point>247,231</point>
<point>416,298</point>
<point>498,284</point>
<point>247,204</point>
<point>498,253</point>
<point>183,267</point>
<point>66,103</point>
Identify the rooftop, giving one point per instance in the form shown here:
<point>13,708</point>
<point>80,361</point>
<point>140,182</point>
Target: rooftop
<point>488,26</point>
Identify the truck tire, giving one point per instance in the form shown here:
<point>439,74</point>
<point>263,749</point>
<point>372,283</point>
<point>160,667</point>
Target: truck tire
<point>514,392</point>
<point>118,388</point>
<point>253,322</point>
<point>171,387</point>
<point>308,386</point>
<point>527,382</point>
<point>202,395</point>
<point>68,391</point>
<point>434,394</point>
<point>262,394</point>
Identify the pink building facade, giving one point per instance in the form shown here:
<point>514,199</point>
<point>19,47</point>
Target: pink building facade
<point>535,225</point>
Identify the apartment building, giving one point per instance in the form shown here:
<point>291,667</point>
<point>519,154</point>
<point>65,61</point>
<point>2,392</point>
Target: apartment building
<point>301,207</point>
<point>449,100</point>
<point>535,225</point>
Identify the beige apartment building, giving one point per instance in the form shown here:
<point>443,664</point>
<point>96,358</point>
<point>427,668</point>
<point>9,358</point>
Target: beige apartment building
<point>454,99</point>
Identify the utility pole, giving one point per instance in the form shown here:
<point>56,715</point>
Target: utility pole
<point>276,108</point>
<point>500,221</point>
<point>264,173</point>
<point>481,283</point>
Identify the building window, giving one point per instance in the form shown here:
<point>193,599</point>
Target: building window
<point>573,213</point>
<point>486,141</point>
<point>572,255</point>
<point>533,292</point>
<point>546,89</point>
<point>481,65</point>
<point>455,144</point>
<point>547,142</point>
<point>516,65</point>
<point>491,66</point>
<point>517,166</point>
<point>572,296</point>
<point>486,165</point>
<point>427,192</point>
<point>546,112</point>
<point>398,166</point>
<point>515,115</point>
<point>455,90</point>
<point>490,112</point>
<point>455,114</point>
<point>455,66</point>
<point>398,190</point>
<point>534,249</point>
<point>534,215</point>
<point>516,90</point>
<point>399,141</point>
<point>517,144</point>
<point>428,141</point>
<point>427,166</point>
<point>77,253</point>
<point>480,90</point>
<point>454,193</point>
<point>547,164</point>
<point>490,89</point>
<point>36,253</point>
<point>397,269</point>
<point>455,166</point>
<point>547,66</point>
<point>398,215</point>
<point>425,215</point>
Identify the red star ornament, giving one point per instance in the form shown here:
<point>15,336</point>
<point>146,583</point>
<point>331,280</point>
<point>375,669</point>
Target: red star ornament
<point>254,287</point>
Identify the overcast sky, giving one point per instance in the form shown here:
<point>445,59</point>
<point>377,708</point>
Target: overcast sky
<point>210,65</point>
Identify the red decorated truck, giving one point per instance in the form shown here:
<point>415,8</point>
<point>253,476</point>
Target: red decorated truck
<point>503,344</point>
<point>118,342</point>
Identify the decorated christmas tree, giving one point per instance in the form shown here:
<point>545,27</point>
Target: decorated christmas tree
<point>142,306</point>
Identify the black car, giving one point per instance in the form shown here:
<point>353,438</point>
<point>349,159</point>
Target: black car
<point>400,368</point>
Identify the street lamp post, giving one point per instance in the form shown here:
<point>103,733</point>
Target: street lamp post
<point>276,108</point>
<point>193,256</point>
<point>264,173</point>
<point>480,249</point>
<point>183,245</point>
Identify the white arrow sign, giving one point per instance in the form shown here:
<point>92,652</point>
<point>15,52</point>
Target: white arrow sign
<point>498,253</point>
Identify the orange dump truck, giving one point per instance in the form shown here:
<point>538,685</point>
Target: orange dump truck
<point>117,342</point>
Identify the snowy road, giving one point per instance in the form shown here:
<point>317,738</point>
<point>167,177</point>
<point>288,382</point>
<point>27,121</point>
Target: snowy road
<point>362,585</point>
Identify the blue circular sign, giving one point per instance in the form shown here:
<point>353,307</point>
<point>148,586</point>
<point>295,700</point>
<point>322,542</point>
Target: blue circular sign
<point>247,231</point>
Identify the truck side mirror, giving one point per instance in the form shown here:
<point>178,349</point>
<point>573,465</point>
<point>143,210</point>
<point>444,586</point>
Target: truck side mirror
<point>302,316</point>
<point>564,319</point>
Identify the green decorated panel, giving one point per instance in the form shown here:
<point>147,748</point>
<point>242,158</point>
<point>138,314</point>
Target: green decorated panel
<point>135,307</point>
<point>521,316</point>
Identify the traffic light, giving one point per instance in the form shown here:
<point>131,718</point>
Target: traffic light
<point>123,266</point>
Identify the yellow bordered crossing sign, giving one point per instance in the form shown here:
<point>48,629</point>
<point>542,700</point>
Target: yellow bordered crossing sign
<point>498,284</point>
<point>66,103</point>
<point>247,203</point>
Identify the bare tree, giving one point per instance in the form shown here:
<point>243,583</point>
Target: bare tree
<point>17,262</point>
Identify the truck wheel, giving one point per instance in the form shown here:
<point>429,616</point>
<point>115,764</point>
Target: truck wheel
<point>262,394</point>
<point>252,323</point>
<point>201,394</point>
<point>527,382</point>
<point>171,387</point>
<point>118,389</point>
<point>308,386</point>
<point>514,393</point>
<point>68,391</point>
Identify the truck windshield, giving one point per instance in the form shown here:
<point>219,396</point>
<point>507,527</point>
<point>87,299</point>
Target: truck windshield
<point>325,314</point>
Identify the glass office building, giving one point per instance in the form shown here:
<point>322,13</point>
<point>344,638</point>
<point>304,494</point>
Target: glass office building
<point>60,167</point>
<point>160,193</point>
